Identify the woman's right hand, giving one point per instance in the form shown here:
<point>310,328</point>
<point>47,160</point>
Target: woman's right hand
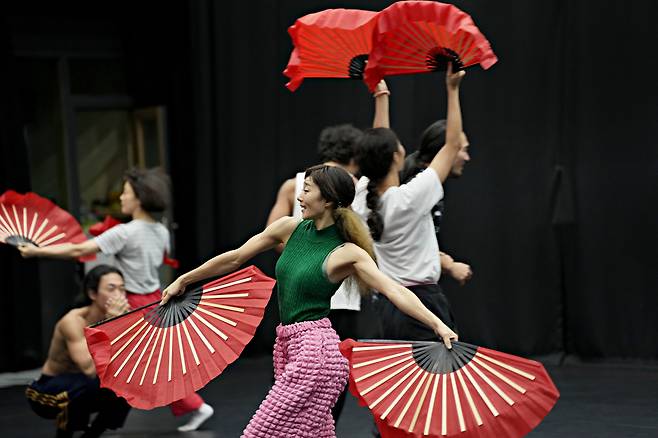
<point>175,288</point>
<point>446,334</point>
<point>453,79</point>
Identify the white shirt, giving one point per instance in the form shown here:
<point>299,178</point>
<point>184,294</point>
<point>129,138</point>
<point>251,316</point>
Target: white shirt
<point>407,251</point>
<point>347,296</point>
<point>138,248</point>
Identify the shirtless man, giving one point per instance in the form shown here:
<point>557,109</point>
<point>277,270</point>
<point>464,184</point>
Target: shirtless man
<point>68,389</point>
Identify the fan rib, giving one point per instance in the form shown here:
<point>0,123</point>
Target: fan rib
<point>157,367</point>
<point>114,341</point>
<point>180,349</point>
<point>7,223</point>
<point>385,379</point>
<point>225,307</point>
<point>139,359</point>
<point>34,222</point>
<point>217,331</point>
<point>18,221</point>
<point>201,335</point>
<point>514,385</point>
<point>474,409</point>
<point>493,386</point>
<point>381,347</point>
<point>123,347</point>
<point>380,359</point>
<point>53,239</point>
<point>444,407</point>
<point>25,223</point>
<point>45,235</point>
<point>158,330</point>
<point>410,401</point>
<point>216,316</point>
<point>219,296</point>
<point>130,355</point>
<point>430,410</point>
<point>171,344</point>
<point>393,388</point>
<point>483,396</point>
<point>384,368</point>
<point>455,393</point>
<point>40,230</point>
<point>420,403</point>
<point>225,285</point>
<point>506,366</point>
<point>191,344</point>
<point>401,394</point>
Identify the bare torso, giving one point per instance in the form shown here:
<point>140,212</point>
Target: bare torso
<point>59,360</point>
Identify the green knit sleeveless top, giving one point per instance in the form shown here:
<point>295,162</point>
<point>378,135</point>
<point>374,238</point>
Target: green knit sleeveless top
<point>304,291</point>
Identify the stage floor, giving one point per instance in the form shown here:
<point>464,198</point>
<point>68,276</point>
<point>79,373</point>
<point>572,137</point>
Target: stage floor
<point>597,400</point>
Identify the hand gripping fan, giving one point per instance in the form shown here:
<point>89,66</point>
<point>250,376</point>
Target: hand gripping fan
<point>29,218</point>
<point>155,357</point>
<point>423,36</point>
<point>330,44</point>
<point>419,389</point>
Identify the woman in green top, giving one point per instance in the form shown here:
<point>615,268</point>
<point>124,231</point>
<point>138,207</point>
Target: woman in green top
<point>328,246</point>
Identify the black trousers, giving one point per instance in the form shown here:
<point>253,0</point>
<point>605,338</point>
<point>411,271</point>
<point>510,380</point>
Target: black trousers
<point>398,325</point>
<point>72,398</point>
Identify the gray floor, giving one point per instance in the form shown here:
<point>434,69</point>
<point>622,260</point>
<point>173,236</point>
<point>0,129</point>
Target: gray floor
<point>602,400</point>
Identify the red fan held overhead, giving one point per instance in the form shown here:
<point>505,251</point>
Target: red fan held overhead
<point>31,219</point>
<point>330,44</point>
<point>419,389</point>
<point>423,36</point>
<point>153,358</point>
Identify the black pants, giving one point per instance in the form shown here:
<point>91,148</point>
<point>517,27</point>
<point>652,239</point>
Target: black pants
<point>345,323</point>
<point>72,398</point>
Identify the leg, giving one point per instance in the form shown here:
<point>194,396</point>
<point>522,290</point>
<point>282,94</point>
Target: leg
<point>200,411</point>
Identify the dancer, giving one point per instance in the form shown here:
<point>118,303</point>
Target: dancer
<point>329,245</point>
<point>68,389</point>
<point>336,147</point>
<point>139,247</point>
<point>399,216</point>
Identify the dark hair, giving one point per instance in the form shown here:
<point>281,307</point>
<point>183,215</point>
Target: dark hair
<point>338,143</point>
<point>431,140</point>
<point>152,188</point>
<point>337,186</point>
<point>91,282</point>
<point>375,155</point>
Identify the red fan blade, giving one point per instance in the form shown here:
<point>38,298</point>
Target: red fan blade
<point>99,228</point>
<point>152,363</point>
<point>417,389</point>
<point>421,36</point>
<point>330,44</point>
<point>29,218</point>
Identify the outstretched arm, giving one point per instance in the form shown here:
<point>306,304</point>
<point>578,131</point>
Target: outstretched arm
<point>275,234</point>
<point>351,259</point>
<point>62,251</point>
<point>442,161</point>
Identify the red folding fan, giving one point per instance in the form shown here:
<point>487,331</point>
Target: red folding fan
<point>423,36</point>
<point>330,44</point>
<point>153,358</point>
<point>417,389</point>
<point>29,218</point>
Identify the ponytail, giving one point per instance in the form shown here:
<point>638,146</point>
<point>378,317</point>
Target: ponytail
<point>351,229</point>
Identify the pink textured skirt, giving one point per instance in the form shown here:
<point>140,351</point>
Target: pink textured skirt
<point>310,375</point>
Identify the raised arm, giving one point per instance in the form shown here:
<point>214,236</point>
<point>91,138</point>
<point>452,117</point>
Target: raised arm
<point>275,234</point>
<point>63,251</point>
<point>381,106</point>
<point>351,259</point>
<point>442,161</point>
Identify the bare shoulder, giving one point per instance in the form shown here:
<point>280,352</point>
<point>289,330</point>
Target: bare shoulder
<point>72,324</point>
<point>283,227</point>
<point>288,187</point>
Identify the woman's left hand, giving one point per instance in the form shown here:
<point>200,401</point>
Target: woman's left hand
<point>446,334</point>
<point>27,250</point>
<point>174,289</point>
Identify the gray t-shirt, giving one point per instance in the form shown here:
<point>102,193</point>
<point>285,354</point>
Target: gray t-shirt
<point>138,248</point>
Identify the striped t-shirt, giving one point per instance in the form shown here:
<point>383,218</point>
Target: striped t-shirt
<point>138,248</point>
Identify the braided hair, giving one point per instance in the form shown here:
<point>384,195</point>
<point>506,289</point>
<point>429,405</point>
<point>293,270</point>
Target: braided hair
<point>375,156</point>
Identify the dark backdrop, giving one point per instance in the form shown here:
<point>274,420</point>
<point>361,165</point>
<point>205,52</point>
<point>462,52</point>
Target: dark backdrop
<point>557,212</point>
